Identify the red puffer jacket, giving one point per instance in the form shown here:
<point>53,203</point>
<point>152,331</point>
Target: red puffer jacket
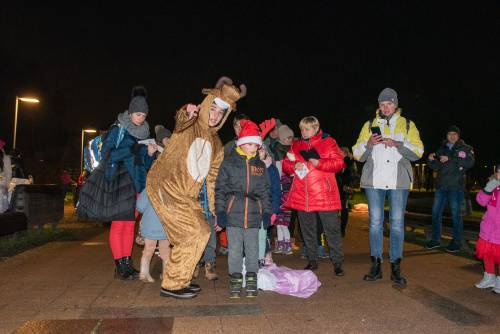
<point>317,191</point>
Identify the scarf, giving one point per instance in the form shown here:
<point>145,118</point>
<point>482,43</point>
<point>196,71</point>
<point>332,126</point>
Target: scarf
<point>137,131</point>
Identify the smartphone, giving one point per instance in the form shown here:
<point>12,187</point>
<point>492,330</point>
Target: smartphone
<point>376,130</point>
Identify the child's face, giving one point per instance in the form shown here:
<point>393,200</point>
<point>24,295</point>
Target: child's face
<point>237,128</point>
<point>249,148</point>
<point>138,118</point>
<point>262,154</point>
<point>288,140</point>
<point>215,115</point>
<point>308,131</point>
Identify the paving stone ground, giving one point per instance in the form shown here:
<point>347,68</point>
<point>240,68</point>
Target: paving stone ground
<point>68,287</point>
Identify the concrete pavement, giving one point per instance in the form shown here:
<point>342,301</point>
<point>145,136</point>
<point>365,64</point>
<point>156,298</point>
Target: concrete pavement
<point>72,283</point>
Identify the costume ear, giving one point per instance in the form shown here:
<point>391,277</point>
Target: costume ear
<point>266,127</point>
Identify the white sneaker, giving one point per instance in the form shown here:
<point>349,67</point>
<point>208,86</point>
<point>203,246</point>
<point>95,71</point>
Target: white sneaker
<point>488,281</point>
<point>496,289</point>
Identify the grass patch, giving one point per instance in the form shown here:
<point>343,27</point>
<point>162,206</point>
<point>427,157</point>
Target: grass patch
<point>22,241</point>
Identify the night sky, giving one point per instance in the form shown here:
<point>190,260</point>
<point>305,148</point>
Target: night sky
<point>316,58</point>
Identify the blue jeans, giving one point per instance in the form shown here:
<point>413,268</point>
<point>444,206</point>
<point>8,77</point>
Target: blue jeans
<point>209,254</point>
<point>455,198</point>
<point>397,207</point>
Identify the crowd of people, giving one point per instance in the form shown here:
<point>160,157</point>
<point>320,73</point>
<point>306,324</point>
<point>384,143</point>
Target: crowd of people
<point>254,189</point>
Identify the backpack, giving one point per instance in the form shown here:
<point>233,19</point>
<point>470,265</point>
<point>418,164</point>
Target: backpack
<point>92,154</point>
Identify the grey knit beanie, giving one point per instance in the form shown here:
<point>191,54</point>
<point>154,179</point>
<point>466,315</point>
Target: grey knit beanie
<point>388,94</point>
<point>138,102</point>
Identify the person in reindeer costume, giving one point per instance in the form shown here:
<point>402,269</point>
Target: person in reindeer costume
<point>189,162</point>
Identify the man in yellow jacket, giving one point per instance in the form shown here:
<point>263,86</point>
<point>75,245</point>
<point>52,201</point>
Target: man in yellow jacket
<point>387,144</point>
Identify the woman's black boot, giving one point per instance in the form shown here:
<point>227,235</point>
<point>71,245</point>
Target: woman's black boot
<point>375,271</point>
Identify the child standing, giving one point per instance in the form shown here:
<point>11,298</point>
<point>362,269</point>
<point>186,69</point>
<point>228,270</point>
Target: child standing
<point>242,203</point>
<point>152,231</point>
<point>488,245</point>
<point>284,245</point>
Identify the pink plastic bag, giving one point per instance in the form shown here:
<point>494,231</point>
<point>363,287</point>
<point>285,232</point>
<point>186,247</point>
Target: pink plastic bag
<point>298,283</point>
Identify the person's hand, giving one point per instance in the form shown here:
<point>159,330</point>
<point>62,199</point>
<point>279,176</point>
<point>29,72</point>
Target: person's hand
<point>217,228</point>
<point>299,166</point>
<point>315,162</point>
<point>266,220</point>
<point>492,184</point>
<point>375,139</point>
<point>432,156</point>
<point>443,159</point>
<point>388,142</point>
<point>192,110</point>
<point>221,219</point>
<point>152,148</point>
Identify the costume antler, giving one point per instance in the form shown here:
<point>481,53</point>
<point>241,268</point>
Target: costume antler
<point>243,90</point>
<point>223,80</point>
<point>266,127</point>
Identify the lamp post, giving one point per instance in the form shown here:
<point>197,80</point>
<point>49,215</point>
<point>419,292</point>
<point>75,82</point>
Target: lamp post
<point>24,99</point>
<point>81,154</point>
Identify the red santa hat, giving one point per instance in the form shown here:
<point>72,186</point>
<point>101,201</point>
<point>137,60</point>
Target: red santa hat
<point>249,133</point>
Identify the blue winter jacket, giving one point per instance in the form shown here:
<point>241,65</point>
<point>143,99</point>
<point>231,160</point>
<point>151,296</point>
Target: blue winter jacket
<point>274,181</point>
<point>137,166</point>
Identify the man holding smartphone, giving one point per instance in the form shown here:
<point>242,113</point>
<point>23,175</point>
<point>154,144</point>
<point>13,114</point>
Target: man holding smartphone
<point>387,144</point>
<point>451,160</point>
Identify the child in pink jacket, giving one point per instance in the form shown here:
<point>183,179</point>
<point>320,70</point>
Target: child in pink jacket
<point>488,245</point>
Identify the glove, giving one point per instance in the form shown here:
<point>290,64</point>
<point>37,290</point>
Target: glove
<point>266,220</point>
<point>274,217</point>
<point>491,185</point>
<point>221,219</point>
<point>266,127</point>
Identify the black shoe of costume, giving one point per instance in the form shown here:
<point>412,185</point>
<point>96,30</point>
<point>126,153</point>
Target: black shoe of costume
<point>185,293</point>
<point>337,268</point>
<point>121,270</point>
<point>194,287</point>
<point>235,285</point>
<point>312,265</point>
<point>375,271</point>
<point>396,273</point>
<point>251,284</point>
<point>132,271</point>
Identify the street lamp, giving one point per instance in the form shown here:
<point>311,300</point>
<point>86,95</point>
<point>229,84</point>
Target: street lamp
<point>24,99</point>
<point>81,154</point>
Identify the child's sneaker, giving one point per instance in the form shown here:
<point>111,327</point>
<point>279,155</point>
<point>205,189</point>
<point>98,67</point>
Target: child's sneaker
<point>322,252</point>
<point>287,249</point>
<point>279,248</point>
<point>488,281</point>
<point>496,289</point>
<point>223,251</point>
<point>235,284</point>
<point>268,259</point>
<point>157,250</point>
<point>139,240</point>
<point>251,286</point>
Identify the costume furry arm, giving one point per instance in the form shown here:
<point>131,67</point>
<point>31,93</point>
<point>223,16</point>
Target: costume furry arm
<point>182,120</point>
<point>212,176</point>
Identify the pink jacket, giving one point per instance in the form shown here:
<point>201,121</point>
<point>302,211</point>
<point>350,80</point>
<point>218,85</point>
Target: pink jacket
<point>490,224</point>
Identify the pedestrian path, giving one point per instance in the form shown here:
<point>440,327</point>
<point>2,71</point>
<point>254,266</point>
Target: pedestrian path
<point>68,287</point>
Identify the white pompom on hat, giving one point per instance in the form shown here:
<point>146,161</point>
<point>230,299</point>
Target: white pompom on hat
<point>249,133</point>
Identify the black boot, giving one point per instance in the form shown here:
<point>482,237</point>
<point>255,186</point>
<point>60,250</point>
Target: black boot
<point>235,284</point>
<point>312,265</point>
<point>132,271</point>
<point>396,273</point>
<point>121,269</point>
<point>375,271</point>
<point>251,281</point>
<point>337,268</point>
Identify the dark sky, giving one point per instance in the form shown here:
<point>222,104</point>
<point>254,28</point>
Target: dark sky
<point>316,58</point>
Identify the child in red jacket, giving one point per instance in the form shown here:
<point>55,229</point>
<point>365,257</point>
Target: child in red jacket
<point>314,159</point>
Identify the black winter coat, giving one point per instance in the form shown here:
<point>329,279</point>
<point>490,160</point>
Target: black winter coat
<point>242,190</point>
<point>451,174</point>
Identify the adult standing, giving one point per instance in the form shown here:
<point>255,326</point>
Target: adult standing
<point>5,177</point>
<point>121,147</point>
<point>451,161</point>
<point>387,144</point>
<point>191,159</point>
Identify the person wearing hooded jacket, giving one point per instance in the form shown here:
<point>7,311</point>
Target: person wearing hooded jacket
<point>387,145</point>
<point>121,146</point>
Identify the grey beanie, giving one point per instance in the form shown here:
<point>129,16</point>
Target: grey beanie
<point>138,102</point>
<point>388,94</point>
<point>161,133</point>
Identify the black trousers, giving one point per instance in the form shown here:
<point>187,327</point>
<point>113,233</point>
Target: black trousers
<point>331,227</point>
